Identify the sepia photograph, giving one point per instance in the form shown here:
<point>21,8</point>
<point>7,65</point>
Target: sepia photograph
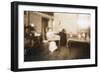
<point>56,36</point>
<point>52,36</point>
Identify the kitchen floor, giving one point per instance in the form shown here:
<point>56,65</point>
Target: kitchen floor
<point>42,53</point>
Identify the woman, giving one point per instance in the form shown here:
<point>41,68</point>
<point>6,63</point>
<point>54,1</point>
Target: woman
<point>63,38</point>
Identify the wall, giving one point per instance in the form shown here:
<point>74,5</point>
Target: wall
<point>5,28</point>
<point>36,20</point>
<point>66,21</point>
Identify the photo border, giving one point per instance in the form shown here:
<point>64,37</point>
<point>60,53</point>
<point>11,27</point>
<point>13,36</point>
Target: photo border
<point>14,35</point>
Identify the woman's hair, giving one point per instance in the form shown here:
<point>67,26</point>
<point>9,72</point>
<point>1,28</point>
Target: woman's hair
<point>63,30</point>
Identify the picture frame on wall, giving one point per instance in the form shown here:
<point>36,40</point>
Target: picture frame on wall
<point>52,36</point>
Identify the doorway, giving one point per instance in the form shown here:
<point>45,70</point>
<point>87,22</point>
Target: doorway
<point>44,27</point>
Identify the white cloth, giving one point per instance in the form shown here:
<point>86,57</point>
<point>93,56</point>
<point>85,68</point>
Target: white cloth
<point>52,46</point>
<point>50,35</point>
